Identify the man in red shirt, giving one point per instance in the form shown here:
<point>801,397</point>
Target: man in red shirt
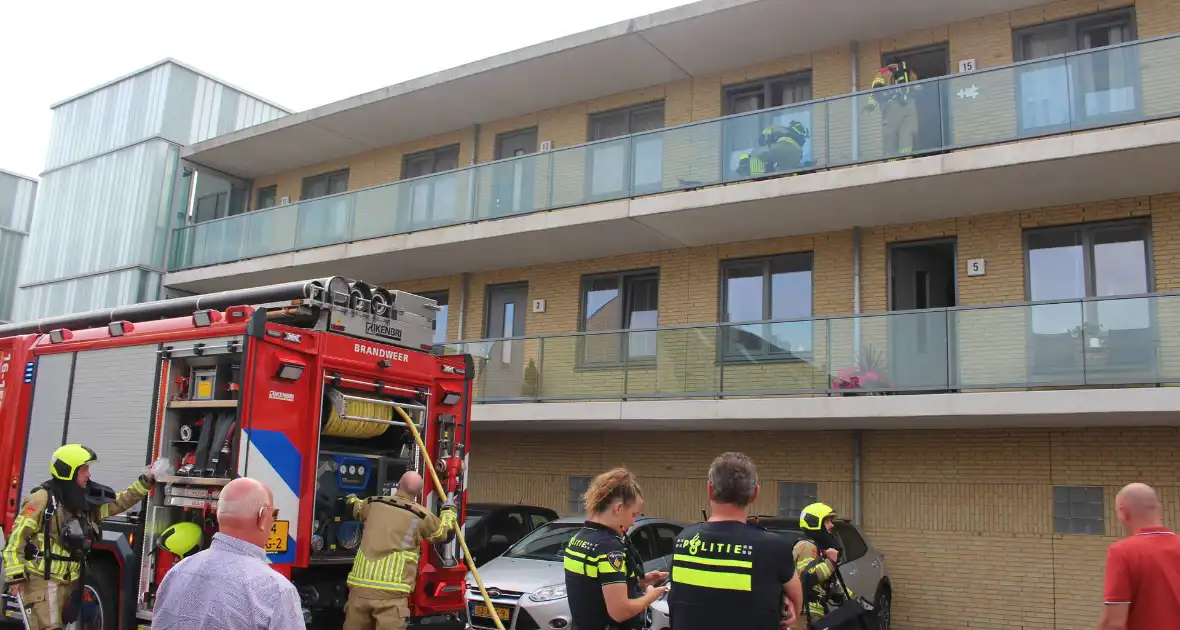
<point>1142,590</point>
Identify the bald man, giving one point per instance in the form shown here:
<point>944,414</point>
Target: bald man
<point>231,584</point>
<point>1142,590</point>
<point>386,565</point>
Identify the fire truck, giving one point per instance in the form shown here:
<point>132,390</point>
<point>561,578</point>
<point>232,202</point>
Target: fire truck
<point>294,384</point>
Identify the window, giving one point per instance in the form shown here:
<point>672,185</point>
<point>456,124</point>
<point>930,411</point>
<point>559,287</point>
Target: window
<point>211,207</point>
<point>266,198</point>
<point>1078,510</point>
<point>325,184</point>
<point>767,290</point>
<point>1087,261</point>
<point>741,132</point>
<point>793,497</point>
<point>537,519</point>
<point>666,539</point>
<point>433,201</point>
<point>854,545</point>
<point>1102,84</point>
<point>620,301</point>
<point>768,93</point>
<point>578,488</point>
<point>644,540</point>
<point>615,169</point>
<point>440,318</point>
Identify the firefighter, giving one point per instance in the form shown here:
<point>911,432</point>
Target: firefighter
<point>780,148</point>
<point>815,557</point>
<point>69,507</point>
<point>386,564</point>
<point>899,113</point>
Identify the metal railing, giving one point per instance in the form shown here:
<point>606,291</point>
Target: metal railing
<point>1096,88</point>
<point>1069,343</point>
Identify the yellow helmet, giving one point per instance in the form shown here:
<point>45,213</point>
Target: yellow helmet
<point>68,459</point>
<point>182,539</point>
<point>811,519</point>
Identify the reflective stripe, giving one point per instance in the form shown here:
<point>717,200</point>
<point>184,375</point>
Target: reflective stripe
<point>708,578</point>
<point>448,520</point>
<point>716,562</point>
<point>385,574</point>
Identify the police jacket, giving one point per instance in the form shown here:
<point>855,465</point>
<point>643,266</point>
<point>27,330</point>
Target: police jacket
<point>41,511</point>
<point>394,528</point>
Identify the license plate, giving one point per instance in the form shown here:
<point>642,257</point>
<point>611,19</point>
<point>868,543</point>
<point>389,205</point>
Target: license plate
<point>277,541</point>
<point>482,611</point>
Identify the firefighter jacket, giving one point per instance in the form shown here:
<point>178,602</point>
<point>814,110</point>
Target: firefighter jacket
<point>815,572</point>
<point>895,74</point>
<point>25,553</point>
<point>394,528</point>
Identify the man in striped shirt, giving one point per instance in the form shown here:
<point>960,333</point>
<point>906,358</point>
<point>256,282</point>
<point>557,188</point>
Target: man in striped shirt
<point>230,585</point>
<point>1142,590</point>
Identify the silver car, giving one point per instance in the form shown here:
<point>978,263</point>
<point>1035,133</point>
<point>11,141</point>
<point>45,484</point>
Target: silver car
<point>527,583</point>
<point>861,565</point>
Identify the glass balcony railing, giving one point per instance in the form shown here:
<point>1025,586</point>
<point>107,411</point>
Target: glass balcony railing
<point>1095,88</point>
<point>1104,341</point>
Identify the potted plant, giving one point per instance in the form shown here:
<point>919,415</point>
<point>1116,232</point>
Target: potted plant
<point>866,377</point>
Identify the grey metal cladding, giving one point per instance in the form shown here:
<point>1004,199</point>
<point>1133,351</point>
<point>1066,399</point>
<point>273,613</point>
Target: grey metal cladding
<point>51,390</point>
<point>111,410</point>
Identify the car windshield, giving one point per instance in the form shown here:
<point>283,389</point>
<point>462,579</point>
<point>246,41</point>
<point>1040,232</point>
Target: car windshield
<point>544,543</point>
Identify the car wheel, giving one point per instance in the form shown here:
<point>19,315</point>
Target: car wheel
<point>884,606</point>
<point>99,610</point>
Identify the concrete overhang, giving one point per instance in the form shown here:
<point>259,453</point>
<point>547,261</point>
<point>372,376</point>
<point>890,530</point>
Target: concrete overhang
<point>1034,409</point>
<point>1128,161</point>
<point>692,40</point>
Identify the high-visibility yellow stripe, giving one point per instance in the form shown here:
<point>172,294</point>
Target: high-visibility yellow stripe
<point>605,567</point>
<point>711,579</point>
<point>713,561</point>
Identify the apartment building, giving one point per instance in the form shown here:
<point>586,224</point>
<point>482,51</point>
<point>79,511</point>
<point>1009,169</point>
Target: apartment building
<point>968,351</point>
<point>17,194</point>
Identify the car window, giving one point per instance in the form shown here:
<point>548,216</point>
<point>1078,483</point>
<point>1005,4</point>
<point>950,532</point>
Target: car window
<point>538,519</point>
<point>545,543</point>
<point>642,539</point>
<point>854,546</point>
<point>666,539</point>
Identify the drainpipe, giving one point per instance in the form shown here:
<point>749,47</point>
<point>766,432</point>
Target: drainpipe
<point>857,516</point>
<point>471,192</point>
<point>463,280</point>
<point>854,48</point>
<point>856,247</point>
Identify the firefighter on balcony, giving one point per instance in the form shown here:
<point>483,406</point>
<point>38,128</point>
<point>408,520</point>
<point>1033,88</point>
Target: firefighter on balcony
<point>816,556</point>
<point>386,564</point>
<point>780,148</point>
<point>899,112</point>
<point>69,508</point>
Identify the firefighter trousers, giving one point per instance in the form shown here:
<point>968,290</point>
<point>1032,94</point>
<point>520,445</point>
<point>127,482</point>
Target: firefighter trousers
<point>899,126</point>
<point>44,601</point>
<point>372,613</point>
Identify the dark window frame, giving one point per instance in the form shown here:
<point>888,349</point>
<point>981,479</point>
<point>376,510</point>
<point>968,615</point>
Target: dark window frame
<point>445,294</point>
<point>1073,27</point>
<point>524,131</point>
<point>272,190</point>
<point>310,179</point>
<point>1087,231</point>
<point>724,354</point>
<point>1069,524</point>
<point>624,278</point>
<point>577,489</point>
<point>808,491</point>
<point>629,112</point>
<point>729,93</point>
<point>434,155</point>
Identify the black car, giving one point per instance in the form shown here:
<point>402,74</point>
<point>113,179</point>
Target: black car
<point>491,528</point>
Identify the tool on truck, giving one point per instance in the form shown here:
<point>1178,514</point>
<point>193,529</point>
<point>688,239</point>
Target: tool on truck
<point>320,389</point>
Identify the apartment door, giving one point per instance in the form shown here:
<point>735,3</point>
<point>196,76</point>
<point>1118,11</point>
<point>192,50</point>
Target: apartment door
<point>931,101</point>
<point>505,373</point>
<point>513,182</point>
<point>921,285</point>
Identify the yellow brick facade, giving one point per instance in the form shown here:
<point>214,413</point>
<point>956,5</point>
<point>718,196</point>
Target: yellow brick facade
<point>988,40</point>
<point>964,518</point>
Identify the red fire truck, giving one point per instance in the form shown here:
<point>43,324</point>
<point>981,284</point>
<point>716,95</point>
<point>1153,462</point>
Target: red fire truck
<point>293,384</point>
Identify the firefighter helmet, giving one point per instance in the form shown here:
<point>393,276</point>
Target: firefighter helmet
<point>68,459</point>
<point>182,539</point>
<point>812,517</point>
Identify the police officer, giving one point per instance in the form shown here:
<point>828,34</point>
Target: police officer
<point>604,577</point>
<point>69,508</point>
<point>815,557</point>
<point>780,148</point>
<point>386,565</point>
<point>727,573</point>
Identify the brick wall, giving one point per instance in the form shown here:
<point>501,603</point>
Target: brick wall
<point>987,118</point>
<point>971,510</point>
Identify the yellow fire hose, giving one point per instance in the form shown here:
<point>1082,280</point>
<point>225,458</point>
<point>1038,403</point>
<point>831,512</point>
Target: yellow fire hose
<point>458,529</point>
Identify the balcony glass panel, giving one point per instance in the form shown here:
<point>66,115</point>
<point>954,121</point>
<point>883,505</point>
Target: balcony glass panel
<point>1070,343</point>
<point>1063,93</point>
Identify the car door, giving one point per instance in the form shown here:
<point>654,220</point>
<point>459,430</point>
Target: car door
<point>538,518</point>
<point>644,540</point>
<point>861,571</point>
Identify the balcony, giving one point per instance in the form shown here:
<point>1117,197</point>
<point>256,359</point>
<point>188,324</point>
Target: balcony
<point>907,361</point>
<point>443,223</point>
